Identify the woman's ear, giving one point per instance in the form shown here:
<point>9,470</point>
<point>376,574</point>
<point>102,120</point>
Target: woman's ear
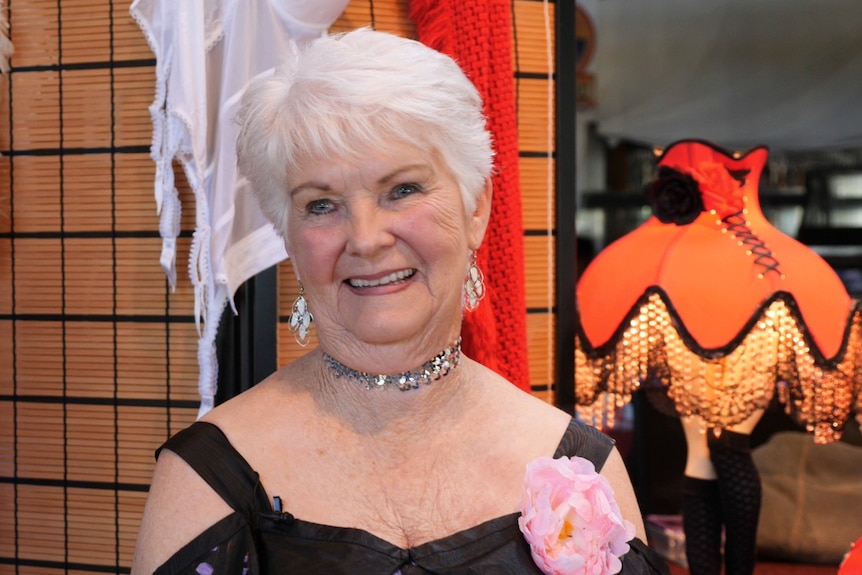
<point>480,216</point>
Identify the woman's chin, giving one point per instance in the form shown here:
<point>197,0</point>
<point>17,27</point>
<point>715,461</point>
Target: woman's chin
<point>392,327</point>
<point>376,331</point>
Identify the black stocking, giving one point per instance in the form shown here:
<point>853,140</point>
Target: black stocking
<point>740,487</point>
<point>701,523</point>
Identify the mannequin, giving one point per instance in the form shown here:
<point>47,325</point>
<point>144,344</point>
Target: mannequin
<point>721,489</point>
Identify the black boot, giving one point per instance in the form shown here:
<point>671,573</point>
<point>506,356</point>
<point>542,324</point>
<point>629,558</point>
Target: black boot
<point>701,523</point>
<point>739,483</point>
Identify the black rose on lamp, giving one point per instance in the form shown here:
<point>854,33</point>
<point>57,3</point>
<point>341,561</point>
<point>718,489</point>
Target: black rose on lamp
<point>675,197</point>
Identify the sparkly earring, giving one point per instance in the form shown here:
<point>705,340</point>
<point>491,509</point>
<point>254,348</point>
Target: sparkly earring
<point>300,319</point>
<point>474,285</point>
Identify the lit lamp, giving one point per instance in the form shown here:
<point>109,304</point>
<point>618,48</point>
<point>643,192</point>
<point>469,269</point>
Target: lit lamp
<point>712,303</point>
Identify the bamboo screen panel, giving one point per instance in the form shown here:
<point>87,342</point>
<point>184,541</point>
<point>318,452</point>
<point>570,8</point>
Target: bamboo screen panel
<point>98,358</point>
<point>532,34</point>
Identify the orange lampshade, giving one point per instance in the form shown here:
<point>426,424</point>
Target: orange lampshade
<point>716,305</point>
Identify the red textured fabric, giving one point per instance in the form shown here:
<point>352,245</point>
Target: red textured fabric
<point>477,34</point>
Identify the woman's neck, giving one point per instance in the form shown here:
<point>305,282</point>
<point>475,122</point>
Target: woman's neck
<point>374,409</point>
<point>435,369</point>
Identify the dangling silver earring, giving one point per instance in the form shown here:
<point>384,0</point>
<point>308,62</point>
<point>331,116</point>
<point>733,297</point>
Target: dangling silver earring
<point>300,319</point>
<point>474,285</point>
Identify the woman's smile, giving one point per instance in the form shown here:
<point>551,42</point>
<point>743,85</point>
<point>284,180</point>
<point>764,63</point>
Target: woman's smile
<point>388,279</point>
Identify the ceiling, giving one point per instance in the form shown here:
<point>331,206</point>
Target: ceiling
<point>740,73</point>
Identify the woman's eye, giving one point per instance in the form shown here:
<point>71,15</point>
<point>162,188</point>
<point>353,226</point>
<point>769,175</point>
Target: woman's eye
<point>319,207</point>
<point>404,190</point>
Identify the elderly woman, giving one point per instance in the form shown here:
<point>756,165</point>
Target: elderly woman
<point>384,450</point>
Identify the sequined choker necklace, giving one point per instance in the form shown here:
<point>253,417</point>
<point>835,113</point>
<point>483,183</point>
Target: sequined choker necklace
<point>432,370</point>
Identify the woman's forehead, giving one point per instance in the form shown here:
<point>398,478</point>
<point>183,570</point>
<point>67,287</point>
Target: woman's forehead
<point>371,162</point>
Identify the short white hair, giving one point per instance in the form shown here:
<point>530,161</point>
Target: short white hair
<point>347,93</point>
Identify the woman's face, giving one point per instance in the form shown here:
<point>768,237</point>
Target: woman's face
<point>381,246</point>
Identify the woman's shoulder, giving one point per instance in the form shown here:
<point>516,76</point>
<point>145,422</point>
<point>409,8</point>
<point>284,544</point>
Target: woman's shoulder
<point>276,397</point>
<point>523,412</point>
<point>180,506</point>
<point>548,429</point>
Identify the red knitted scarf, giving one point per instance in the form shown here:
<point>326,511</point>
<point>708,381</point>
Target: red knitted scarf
<point>477,34</point>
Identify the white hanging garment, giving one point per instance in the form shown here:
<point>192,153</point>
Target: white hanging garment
<point>206,53</point>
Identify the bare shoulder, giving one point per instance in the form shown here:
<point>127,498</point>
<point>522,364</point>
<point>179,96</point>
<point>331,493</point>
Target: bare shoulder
<point>282,391</point>
<point>524,409</point>
<point>517,421</point>
<point>179,507</point>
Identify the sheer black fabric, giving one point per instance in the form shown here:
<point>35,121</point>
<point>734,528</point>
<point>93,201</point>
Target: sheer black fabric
<point>255,540</point>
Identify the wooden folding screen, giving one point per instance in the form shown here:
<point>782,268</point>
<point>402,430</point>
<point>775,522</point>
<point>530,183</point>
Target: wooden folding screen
<point>97,356</point>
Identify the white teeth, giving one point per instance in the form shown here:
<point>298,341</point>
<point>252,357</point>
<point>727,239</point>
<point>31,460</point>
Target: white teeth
<point>391,278</point>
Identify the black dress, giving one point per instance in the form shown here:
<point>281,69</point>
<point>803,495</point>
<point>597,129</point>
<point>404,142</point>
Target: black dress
<point>256,540</point>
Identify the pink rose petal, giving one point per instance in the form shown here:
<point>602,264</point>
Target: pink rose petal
<point>571,520</point>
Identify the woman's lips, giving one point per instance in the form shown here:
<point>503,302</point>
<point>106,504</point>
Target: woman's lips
<point>388,279</point>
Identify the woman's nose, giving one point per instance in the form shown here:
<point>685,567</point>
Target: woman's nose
<point>369,229</point>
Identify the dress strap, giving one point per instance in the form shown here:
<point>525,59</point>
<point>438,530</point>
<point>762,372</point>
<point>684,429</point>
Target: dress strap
<point>585,441</point>
<point>209,452</point>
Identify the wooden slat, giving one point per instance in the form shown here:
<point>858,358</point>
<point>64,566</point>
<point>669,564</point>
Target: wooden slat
<point>134,90</point>
<point>87,194</point>
<point>531,36</point>
<point>540,338</point>
<point>534,115</point>
<point>387,16</point>
<point>40,440</point>
<point>141,368</point>
<point>39,289</point>
<point>5,191</point>
<point>140,281</point>
<point>91,526</point>
<point>40,522</point>
<point>7,360</point>
<point>88,276</point>
<point>129,518</point>
<point>89,359</point>
<point>129,41</point>
<point>7,442</point>
<point>5,276</point>
<point>37,371</point>
<point>86,108</point>
<point>134,193</point>
<point>35,96</point>
<point>538,193</point>
<point>37,197</point>
<point>140,431</point>
<point>34,28</point>
<point>85,31</point>
<point>538,263</point>
<point>7,520</point>
<point>89,437</point>
<point>183,365</point>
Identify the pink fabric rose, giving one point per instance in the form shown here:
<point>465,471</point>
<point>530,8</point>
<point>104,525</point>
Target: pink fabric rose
<point>571,520</point>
